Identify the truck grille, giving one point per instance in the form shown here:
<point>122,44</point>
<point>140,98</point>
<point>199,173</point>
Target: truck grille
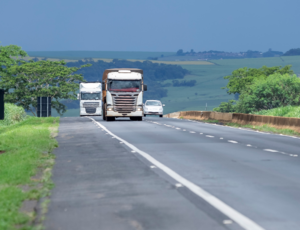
<point>124,103</point>
<point>90,104</point>
<point>90,110</point>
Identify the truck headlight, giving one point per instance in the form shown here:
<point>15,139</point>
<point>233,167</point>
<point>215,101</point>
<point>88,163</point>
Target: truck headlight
<point>139,108</point>
<point>109,108</point>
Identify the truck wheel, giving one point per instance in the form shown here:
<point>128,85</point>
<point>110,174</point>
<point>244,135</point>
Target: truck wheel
<point>110,118</point>
<point>139,118</point>
<point>132,118</point>
<point>160,115</point>
<point>104,113</point>
<point>144,115</point>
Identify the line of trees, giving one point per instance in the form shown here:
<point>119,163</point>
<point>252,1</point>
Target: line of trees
<point>261,89</point>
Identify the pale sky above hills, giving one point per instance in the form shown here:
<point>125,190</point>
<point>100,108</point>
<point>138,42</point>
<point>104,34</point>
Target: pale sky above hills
<point>156,25</point>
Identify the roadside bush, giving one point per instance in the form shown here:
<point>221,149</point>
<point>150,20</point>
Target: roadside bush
<point>268,93</point>
<point>12,114</point>
<point>226,107</point>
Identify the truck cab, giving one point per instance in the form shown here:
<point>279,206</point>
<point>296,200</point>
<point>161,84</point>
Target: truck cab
<point>122,94</point>
<point>90,94</point>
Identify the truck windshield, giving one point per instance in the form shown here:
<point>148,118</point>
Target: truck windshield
<point>90,96</point>
<point>153,103</point>
<point>124,86</point>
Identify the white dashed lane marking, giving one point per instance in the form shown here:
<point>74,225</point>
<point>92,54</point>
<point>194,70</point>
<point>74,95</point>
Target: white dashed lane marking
<point>209,136</point>
<point>271,150</point>
<point>234,142</point>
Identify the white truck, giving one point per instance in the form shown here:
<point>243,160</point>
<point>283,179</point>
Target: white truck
<point>90,97</point>
<point>122,94</point>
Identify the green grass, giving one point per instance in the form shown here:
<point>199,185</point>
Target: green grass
<point>263,128</point>
<point>267,128</point>
<point>26,148</point>
<point>12,114</point>
<point>287,111</point>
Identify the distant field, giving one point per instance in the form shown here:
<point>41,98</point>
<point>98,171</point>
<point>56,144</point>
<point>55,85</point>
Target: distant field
<point>97,54</point>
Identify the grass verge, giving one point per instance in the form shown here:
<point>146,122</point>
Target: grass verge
<point>262,128</point>
<point>25,169</point>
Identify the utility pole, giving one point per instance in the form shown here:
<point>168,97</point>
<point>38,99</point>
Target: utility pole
<point>206,107</point>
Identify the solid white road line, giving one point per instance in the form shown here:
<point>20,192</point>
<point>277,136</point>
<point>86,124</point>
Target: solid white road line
<point>237,217</point>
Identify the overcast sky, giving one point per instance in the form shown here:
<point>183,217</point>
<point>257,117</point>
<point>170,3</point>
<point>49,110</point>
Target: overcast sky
<point>150,25</point>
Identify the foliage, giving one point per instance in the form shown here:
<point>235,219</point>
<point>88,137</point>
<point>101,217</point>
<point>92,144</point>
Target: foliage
<point>226,107</point>
<point>153,73</point>
<point>292,52</point>
<point>6,57</point>
<point>241,78</point>
<point>12,114</point>
<point>184,83</point>
<point>284,111</point>
<point>27,147</point>
<point>271,53</point>
<point>180,52</point>
<point>268,93</point>
<point>266,128</point>
<point>43,78</point>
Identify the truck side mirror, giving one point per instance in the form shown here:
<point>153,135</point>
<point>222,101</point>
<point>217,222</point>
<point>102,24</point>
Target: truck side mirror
<point>78,97</point>
<point>164,105</point>
<point>145,87</point>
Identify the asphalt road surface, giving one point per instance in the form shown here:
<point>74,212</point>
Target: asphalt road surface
<point>172,174</point>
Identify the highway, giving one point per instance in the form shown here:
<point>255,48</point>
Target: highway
<point>165,173</point>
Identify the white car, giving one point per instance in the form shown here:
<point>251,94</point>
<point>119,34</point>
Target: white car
<point>153,107</point>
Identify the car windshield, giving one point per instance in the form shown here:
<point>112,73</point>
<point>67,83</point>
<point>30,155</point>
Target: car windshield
<point>90,96</point>
<point>153,103</point>
<point>124,86</point>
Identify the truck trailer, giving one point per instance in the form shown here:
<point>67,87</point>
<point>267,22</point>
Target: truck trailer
<point>90,98</point>
<point>122,94</point>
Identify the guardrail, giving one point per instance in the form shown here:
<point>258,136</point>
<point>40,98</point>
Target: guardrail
<point>240,118</point>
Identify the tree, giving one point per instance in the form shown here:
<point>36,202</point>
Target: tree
<point>33,79</point>
<point>180,52</point>
<point>241,78</point>
<point>9,55</point>
<point>267,93</point>
<point>226,107</point>
<point>292,52</point>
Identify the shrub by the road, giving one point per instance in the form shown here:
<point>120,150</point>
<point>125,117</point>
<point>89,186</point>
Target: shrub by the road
<point>24,148</point>
<point>268,93</point>
<point>12,114</point>
<point>287,111</point>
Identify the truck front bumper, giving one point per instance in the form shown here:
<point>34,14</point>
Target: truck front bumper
<point>131,114</point>
<point>85,112</point>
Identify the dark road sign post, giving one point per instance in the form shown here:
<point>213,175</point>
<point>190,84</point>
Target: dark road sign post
<point>1,104</point>
<point>44,107</point>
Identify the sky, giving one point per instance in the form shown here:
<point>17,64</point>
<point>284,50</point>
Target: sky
<point>150,25</point>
